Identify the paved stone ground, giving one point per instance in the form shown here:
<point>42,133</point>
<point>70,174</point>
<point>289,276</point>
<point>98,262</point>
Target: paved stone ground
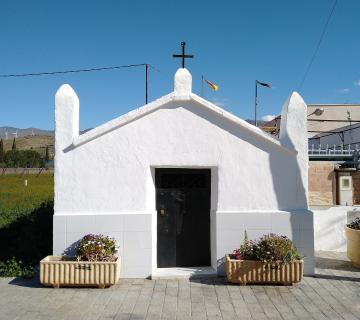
<point>333,294</point>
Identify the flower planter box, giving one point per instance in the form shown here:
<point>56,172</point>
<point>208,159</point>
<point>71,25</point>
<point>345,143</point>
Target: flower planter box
<point>59,271</point>
<point>249,271</point>
<point>353,246</point>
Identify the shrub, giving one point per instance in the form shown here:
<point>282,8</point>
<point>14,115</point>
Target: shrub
<point>269,248</point>
<point>96,248</point>
<point>23,158</point>
<point>273,247</point>
<point>26,221</point>
<point>355,224</point>
<point>29,237</point>
<point>14,268</point>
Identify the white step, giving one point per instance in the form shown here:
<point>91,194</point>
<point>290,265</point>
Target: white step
<point>184,273</point>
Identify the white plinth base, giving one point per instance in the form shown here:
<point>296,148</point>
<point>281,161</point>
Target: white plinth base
<point>184,273</point>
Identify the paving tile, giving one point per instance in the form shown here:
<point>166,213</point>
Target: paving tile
<point>333,294</point>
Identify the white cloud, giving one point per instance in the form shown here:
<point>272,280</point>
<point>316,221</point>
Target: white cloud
<point>268,117</point>
<point>345,90</point>
<point>357,83</point>
<point>219,102</point>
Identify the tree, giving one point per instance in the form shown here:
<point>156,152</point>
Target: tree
<point>13,145</point>
<point>2,153</point>
<point>23,159</point>
<point>30,159</point>
<point>47,156</point>
<point>12,158</point>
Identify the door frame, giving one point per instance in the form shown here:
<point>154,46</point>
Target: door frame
<point>213,208</point>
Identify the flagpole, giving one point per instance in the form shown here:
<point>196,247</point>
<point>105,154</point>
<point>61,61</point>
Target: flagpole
<point>202,86</point>
<point>256,102</point>
<point>146,82</point>
<point>264,84</point>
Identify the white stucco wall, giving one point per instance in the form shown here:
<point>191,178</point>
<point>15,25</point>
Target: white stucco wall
<point>104,179</point>
<point>253,174</point>
<point>292,126</point>
<point>329,223</point>
<point>297,225</point>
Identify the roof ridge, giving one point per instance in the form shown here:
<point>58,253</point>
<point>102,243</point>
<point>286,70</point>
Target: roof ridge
<point>137,113</point>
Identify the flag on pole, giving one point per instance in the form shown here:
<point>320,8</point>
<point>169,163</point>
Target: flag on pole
<point>264,84</point>
<point>212,85</point>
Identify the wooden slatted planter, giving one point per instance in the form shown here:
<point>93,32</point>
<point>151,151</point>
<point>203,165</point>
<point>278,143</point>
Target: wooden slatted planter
<point>59,271</point>
<point>249,271</point>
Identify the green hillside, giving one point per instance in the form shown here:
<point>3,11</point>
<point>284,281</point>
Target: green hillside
<point>37,143</point>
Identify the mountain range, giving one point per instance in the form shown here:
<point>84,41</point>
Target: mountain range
<point>11,132</point>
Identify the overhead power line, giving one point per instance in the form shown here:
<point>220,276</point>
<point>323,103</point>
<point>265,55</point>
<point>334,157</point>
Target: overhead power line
<point>71,71</point>
<point>50,73</point>
<point>318,44</point>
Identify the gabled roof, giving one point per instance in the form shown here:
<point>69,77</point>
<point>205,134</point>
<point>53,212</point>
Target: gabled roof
<point>181,94</point>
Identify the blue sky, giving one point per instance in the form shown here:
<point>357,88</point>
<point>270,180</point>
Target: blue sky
<point>234,43</point>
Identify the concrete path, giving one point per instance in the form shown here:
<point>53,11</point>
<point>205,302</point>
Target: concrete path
<point>333,294</point>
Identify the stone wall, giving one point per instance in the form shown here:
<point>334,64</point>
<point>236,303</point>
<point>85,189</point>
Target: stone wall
<point>322,183</point>
<point>356,187</point>
<point>21,171</point>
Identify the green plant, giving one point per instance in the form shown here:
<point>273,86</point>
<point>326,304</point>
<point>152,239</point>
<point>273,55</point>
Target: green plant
<point>47,156</point>
<point>14,268</point>
<point>26,218</point>
<point>15,158</point>
<point>292,255</point>
<point>13,145</point>
<point>269,248</point>
<point>2,152</point>
<point>29,237</point>
<point>94,247</point>
<point>274,247</point>
<point>355,224</point>
<point>246,250</point>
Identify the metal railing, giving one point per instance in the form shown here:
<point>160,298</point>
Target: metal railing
<point>335,152</point>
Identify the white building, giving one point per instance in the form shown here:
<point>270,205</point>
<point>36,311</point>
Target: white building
<point>177,181</point>
<point>334,125</point>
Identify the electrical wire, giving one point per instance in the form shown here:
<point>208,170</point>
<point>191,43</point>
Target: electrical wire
<point>318,45</point>
<point>71,71</point>
<point>162,73</point>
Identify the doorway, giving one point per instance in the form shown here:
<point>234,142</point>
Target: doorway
<point>183,217</point>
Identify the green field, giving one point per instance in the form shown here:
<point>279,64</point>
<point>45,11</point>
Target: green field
<point>26,214</point>
<point>17,200</point>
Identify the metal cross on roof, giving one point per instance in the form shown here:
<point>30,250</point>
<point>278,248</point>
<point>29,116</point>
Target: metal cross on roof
<point>183,55</point>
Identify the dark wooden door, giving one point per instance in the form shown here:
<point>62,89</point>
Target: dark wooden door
<point>183,217</point>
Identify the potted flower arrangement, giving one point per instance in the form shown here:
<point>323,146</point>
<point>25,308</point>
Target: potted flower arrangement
<point>352,231</point>
<point>95,264</point>
<point>271,259</point>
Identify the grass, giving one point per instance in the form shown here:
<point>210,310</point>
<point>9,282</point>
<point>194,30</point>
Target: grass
<point>18,200</point>
<point>26,214</point>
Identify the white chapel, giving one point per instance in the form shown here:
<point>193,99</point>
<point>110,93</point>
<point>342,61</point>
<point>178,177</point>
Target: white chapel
<point>178,181</point>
